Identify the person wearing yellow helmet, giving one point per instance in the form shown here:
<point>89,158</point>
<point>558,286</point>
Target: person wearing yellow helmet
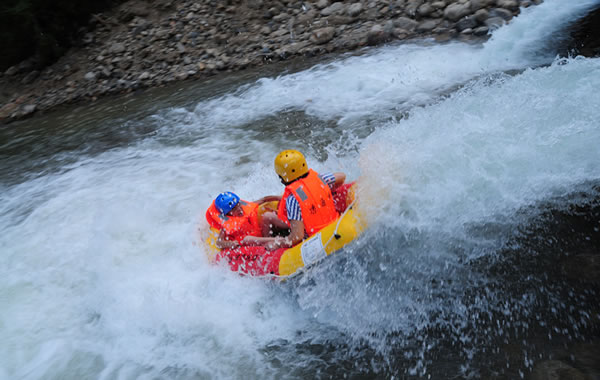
<point>306,205</point>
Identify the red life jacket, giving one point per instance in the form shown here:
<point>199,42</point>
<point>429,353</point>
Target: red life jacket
<point>315,200</point>
<point>236,227</point>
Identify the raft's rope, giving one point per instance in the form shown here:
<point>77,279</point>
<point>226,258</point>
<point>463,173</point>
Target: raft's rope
<point>338,223</point>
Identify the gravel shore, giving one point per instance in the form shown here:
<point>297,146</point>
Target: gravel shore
<point>152,43</point>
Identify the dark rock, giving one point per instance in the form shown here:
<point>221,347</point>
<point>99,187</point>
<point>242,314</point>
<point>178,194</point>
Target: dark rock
<point>556,370</point>
<point>468,22</point>
<point>501,12</point>
<point>11,71</point>
<point>427,25</point>
<point>306,18</point>
<point>7,110</point>
<point>412,6</point>
<point>90,77</point>
<point>117,48</point>
<point>26,65</point>
<point>583,267</point>
<point>494,22</point>
<point>513,5</point>
<point>425,10</point>
<point>481,31</point>
<point>354,9</point>
<point>585,37</point>
<point>377,35</point>
<point>480,4</point>
<point>29,78</point>
<point>340,20</point>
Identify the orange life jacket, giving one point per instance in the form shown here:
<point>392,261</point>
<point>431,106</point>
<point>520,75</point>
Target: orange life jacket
<point>236,227</point>
<point>315,200</point>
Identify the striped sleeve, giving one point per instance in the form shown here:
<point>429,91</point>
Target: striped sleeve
<point>328,178</point>
<point>293,208</point>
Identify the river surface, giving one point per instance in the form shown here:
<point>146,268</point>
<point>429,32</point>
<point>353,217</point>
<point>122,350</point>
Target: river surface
<point>479,172</point>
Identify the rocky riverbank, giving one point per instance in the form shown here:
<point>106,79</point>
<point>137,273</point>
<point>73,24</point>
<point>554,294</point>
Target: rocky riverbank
<point>155,42</point>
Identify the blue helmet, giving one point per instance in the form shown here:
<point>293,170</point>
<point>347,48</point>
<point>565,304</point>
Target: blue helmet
<point>226,201</point>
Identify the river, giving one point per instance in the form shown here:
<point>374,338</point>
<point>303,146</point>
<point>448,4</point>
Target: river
<point>478,168</point>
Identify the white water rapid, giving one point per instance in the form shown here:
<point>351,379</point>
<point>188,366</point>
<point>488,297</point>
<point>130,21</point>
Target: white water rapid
<point>102,276</point>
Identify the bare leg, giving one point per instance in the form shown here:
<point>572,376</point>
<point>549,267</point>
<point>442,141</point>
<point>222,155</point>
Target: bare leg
<point>271,222</point>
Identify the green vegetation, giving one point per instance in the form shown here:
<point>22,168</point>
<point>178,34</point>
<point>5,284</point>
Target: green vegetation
<point>42,29</point>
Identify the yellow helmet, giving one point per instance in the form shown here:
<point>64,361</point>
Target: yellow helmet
<point>290,164</point>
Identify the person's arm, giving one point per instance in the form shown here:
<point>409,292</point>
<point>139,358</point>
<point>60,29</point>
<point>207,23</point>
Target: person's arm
<point>224,243</point>
<point>268,198</point>
<point>333,180</point>
<point>296,236</point>
<point>339,179</point>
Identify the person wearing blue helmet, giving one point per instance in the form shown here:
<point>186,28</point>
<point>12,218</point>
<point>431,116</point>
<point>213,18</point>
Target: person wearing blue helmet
<point>235,218</point>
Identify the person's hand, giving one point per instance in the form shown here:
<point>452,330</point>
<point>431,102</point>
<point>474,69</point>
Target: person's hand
<point>250,240</point>
<point>275,244</point>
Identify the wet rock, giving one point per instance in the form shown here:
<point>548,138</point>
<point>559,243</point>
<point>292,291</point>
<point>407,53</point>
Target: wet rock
<point>456,11</point>
<point>405,23</point>
<point>28,109</point>
<point>481,15</point>
<point>11,71</point>
<point>90,77</point>
<point>340,20</point>
<point>494,22</point>
<point>513,5</point>
<point>481,31</point>
<point>7,110</point>
<point>479,4</point>
<point>501,12</point>
<point>427,26</point>
<point>323,35</point>
<point>556,370</point>
<point>377,34</point>
<point>333,8</point>
<point>412,6</point>
<point>582,267</point>
<point>197,38</point>
<point>468,22</point>
<point>117,48</point>
<point>322,4</point>
<point>427,10</point>
<point>354,9</point>
<point>586,357</point>
<point>306,18</point>
<point>29,78</point>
